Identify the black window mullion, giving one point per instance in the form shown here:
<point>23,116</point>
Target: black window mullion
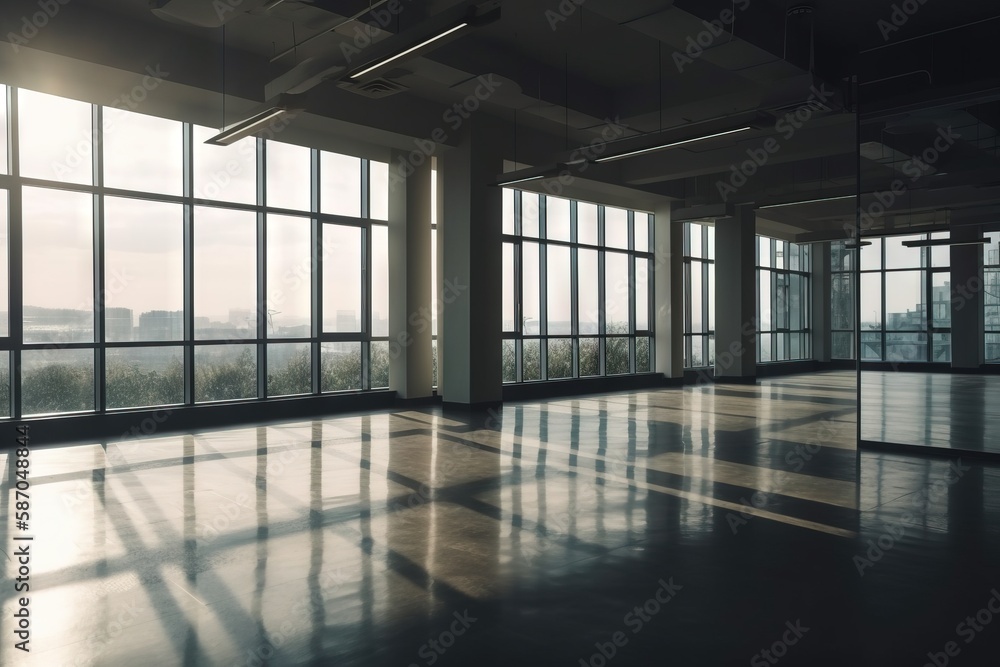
<point>315,275</point>
<point>16,255</point>
<point>100,307</point>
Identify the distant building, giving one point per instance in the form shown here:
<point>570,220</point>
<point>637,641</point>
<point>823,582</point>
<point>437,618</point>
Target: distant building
<point>162,325</point>
<point>118,324</point>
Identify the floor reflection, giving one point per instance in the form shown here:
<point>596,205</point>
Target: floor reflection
<point>417,537</point>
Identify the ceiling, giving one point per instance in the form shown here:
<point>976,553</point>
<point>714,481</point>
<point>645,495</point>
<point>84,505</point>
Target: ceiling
<point>567,68</point>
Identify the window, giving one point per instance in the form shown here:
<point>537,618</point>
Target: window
<point>905,301</point>
<point>699,295</point>
<point>991,296</point>
<point>106,324</point>
<point>573,307</point>
<point>783,300</point>
<point>842,300</point>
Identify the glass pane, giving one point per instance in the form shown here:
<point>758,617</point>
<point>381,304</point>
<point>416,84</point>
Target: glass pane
<point>531,365</point>
<point>780,251</point>
<point>991,251</point>
<point>434,363</point>
<point>765,316</point>
<point>289,369</point>
<point>942,349</point>
<point>871,255</point>
<point>763,251</point>
<point>616,355</point>
<point>898,256</point>
<point>905,307</point>
<point>764,348</point>
<point>4,162</point>
<point>289,277</point>
<point>379,364</point>
<point>871,301</point>
<point>58,234</point>
<point>841,259</point>
<point>224,173</point>
<point>906,347</point>
<point>710,233</point>
<point>793,257</point>
<point>225,274</point>
<point>434,283</point>
<point>340,192</point>
<point>559,291</point>
<point>697,323</point>
<point>588,293</point>
<point>57,138</point>
<point>842,301</point>
<point>941,306</point>
<point>142,152</point>
<point>380,280</point>
<point>55,380</point>
<point>871,346</point>
<point>529,214</point>
<point>288,173</point>
<point>4,383</point>
<point>642,294</point>
<point>341,366</point>
<point>560,358</point>
<point>780,305</point>
<point>586,223</point>
<point>508,211</point>
<point>616,292</point>
<point>642,360</point>
<point>694,239</point>
<point>341,278</point>
<point>509,284</point>
<point>378,175</point>
<point>940,255</point>
<point>711,297</point>
<point>590,357</point>
<point>642,223</point>
<point>530,317</point>
<point>4,271</point>
<point>144,376</point>
<point>144,270</point>
<point>992,348</point>
<point>557,218</point>
<point>225,372</point>
<point>615,227</point>
<point>508,360</point>
<point>843,345</point>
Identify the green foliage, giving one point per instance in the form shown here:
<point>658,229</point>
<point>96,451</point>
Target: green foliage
<point>509,360</point>
<point>222,381</point>
<point>57,388</point>
<point>531,360</point>
<point>129,385</point>
<point>560,358</point>
<point>642,355</point>
<point>379,366</point>
<point>294,377</point>
<point>341,372</point>
<point>616,356</point>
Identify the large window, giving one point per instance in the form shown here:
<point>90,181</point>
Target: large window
<point>905,301</point>
<point>783,300</point>
<point>699,295</point>
<point>576,289</point>
<point>157,270</point>
<point>842,303</point>
<point>991,297</point>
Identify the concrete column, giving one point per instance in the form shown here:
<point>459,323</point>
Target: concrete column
<point>822,285</point>
<point>968,344</point>
<point>471,257</point>
<point>736,297</point>
<point>668,292</point>
<point>410,281</point>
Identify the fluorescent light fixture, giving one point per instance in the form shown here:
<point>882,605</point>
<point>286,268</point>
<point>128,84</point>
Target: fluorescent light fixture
<point>522,179</point>
<point>385,61</point>
<point>245,128</point>
<point>660,147</point>
<point>809,201</point>
<point>928,243</point>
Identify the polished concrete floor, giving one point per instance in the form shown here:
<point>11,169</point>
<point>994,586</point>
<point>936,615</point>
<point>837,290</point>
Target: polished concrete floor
<point>960,412</point>
<point>716,525</point>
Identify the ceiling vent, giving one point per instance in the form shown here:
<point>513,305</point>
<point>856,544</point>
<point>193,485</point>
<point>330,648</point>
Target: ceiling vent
<point>375,89</point>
